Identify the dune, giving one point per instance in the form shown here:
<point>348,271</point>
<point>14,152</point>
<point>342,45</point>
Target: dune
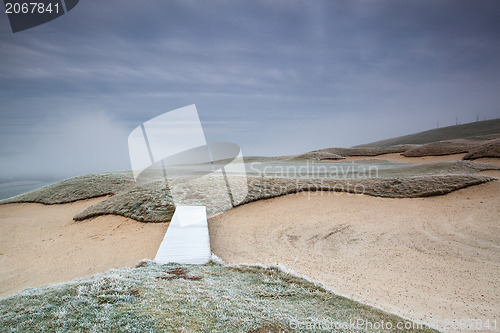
<point>397,157</point>
<point>434,260</point>
<point>475,148</point>
<point>340,153</point>
<point>470,149</point>
<point>489,149</point>
<point>477,130</point>
<point>41,244</point>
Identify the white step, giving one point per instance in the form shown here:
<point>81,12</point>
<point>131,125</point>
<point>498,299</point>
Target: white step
<point>186,240</point>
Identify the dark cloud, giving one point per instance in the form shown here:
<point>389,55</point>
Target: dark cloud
<point>340,73</point>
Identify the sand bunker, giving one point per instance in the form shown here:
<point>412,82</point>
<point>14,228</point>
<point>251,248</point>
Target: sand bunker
<point>41,244</point>
<point>427,259</point>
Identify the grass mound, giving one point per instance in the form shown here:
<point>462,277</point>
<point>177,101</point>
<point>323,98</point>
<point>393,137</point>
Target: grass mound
<point>440,148</point>
<point>339,153</point>
<point>152,202</point>
<point>474,147</point>
<point>191,298</point>
<point>487,149</point>
<point>397,187</point>
<point>77,188</point>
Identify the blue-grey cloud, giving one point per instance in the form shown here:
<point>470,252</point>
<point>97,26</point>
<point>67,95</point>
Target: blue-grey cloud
<point>277,77</point>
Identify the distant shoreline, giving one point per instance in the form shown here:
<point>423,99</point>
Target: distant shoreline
<point>10,189</point>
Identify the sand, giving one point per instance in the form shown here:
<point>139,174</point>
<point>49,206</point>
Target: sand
<point>427,259</point>
<point>41,244</point>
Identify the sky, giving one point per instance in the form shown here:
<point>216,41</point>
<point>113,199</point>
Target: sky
<point>276,77</point>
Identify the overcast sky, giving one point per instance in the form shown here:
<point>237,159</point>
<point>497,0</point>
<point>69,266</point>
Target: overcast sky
<point>276,77</point>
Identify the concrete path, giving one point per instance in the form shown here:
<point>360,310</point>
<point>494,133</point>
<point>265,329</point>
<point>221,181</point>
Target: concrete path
<point>186,240</point>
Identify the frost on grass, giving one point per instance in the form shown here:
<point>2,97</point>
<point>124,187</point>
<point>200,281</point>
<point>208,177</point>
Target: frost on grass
<point>327,153</point>
<point>187,298</point>
<point>77,188</point>
<point>152,201</point>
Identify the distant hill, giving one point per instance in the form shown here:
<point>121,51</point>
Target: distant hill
<point>480,128</point>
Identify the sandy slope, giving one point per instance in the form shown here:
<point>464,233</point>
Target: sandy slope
<point>428,259</point>
<point>41,244</point>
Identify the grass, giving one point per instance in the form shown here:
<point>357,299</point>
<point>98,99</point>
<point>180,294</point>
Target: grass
<point>336,153</point>
<point>152,202</point>
<point>188,298</point>
<point>470,130</point>
<point>77,188</point>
